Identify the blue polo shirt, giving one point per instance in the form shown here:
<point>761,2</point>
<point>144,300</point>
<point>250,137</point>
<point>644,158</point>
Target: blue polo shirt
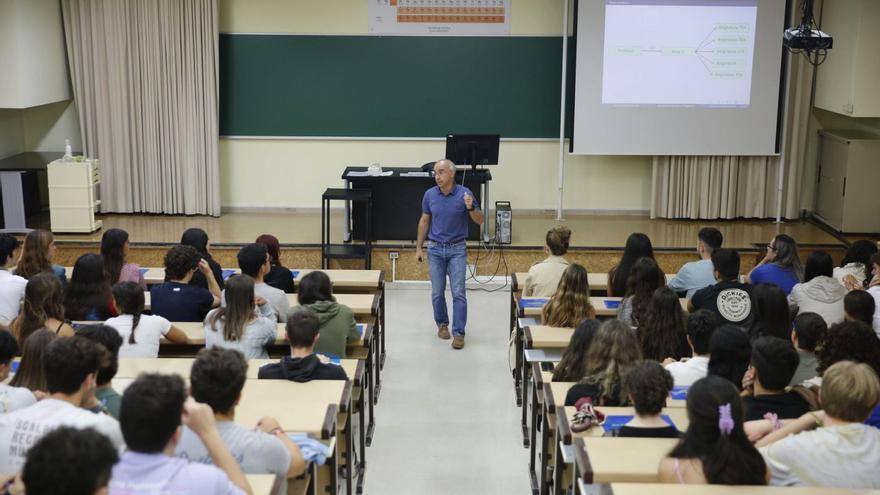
<point>449,215</point>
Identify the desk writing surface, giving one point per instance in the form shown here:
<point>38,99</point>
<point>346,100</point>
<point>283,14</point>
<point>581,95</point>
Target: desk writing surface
<point>261,484</point>
<point>677,415</point>
<point>340,278</point>
<point>329,391</point>
<point>195,334</point>
<point>360,304</point>
<point>676,489</point>
<point>626,459</point>
<point>598,281</point>
<point>560,389</point>
<point>132,367</point>
<point>544,337</point>
<point>530,306</point>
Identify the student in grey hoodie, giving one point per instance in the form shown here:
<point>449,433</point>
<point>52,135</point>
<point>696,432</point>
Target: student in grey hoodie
<point>820,293</point>
<point>337,320</point>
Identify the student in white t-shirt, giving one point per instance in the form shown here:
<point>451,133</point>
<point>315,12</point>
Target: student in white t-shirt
<point>700,326</point>
<point>71,367</point>
<point>11,398</point>
<point>140,333</point>
<point>11,286</point>
<point>217,378</point>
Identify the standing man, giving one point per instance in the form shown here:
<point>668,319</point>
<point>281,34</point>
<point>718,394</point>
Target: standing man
<point>446,209</point>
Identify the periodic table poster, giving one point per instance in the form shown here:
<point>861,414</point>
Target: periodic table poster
<point>440,17</point>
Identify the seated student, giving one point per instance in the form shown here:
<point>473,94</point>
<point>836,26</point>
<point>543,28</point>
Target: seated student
<point>11,398</point>
<point>303,365</point>
<point>31,374</point>
<point>37,255</point>
<point>613,352</point>
<point>279,276</point>
<point>694,275</point>
<point>114,250</point>
<point>847,341</point>
<point>11,286</point>
<point>42,308</point>
<point>105,399</point>
<point>338,325</point>
<point>873,288</point>
<point>544,276</point>
<point>715,448</point>
<point>820,293</point>
<point>730,353</point>
<point>87,296</point>
<point>573,364</point>
<point>152,409</point>
<point>855,268</point>
<point>254,262</point>
<point>638,246</point>
<point>570,304</point>
<point>859,305</point>
<point>198,239</point>
<point>176,300</point>
<point>841,451</point>
<point>809,329</point>
<point>770,315</point>
<point>217,378</point>
<point>701,325</point>
<point>780,265</point>
<point>236,326</point>
<point>648,386</point>
<point>140,333</point>
<point>774,362</point>
<point>69,461</point>
<point>640,286</point>
<point>729,298</point>
<point>71,365</point>
<point>663,333</point>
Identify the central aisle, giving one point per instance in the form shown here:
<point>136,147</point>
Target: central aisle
<point>447,421</point>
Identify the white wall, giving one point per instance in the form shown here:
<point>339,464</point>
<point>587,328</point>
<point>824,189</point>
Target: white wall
<point>11,132</point>
<point>294,173</point>
<point>47,126</point>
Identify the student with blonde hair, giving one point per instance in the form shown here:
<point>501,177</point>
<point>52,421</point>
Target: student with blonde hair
<point>544,276</point>
<point>570,305</point>
<point>614,351</point>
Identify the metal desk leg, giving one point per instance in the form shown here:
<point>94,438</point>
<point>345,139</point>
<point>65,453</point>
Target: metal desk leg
<point>13,203</point>
<point>346,229</point>
<point>362,467</point>
<point>486,211</point>
<point>371,399</point>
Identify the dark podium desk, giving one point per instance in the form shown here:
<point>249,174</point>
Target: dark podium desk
<point>22,180</point>
<point>397,202</point>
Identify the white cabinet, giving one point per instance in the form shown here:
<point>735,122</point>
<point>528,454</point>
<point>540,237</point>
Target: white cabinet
<point>849,171</point>
<point>73,197</point>
<point>846,83</point>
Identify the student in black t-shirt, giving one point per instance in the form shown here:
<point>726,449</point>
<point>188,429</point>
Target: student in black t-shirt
<point>774,362</point>
<point>303,365</point>
<point>176,300</point>
<point>648,386</point>
<point>729,298</point>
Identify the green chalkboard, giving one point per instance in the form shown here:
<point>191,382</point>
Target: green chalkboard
<point>389,86</point>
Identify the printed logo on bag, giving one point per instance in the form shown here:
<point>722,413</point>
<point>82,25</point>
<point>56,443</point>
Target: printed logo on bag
<point>734,304</point>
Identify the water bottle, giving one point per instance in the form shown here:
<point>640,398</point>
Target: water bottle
<point>68,151</point>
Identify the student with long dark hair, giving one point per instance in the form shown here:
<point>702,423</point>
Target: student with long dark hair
<point>37,255</point>
<point>235,326</point>
<point>663,333</point>
<point>770,315</point>
<point>781,265</point>
<point>198,239</point>
<point>279,276</point>
<point>140,333</point>
<point>573,365</point>
<point>644,278</point>
<point>729,354</point>
<point>11,398</point>
<point>544,276</point>
<point>114,250</point>
<point>855,268</point>
<point>715,448</point>
<point>638,245</point>
<point>613,352</point>
<point>31,374</point>
<point>43,307</point>
<point>570,304</point>
<point>338,326</point>
<point>88,297</point>
<point>819,293</point>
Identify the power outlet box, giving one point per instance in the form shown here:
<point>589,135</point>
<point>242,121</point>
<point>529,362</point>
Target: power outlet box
<point>394,255</point>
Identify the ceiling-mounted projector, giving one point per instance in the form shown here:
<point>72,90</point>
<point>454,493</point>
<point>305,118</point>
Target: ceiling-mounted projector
<point>806,39</point>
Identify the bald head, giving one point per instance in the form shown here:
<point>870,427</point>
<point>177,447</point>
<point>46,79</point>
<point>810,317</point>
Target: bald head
<point>444,174</point>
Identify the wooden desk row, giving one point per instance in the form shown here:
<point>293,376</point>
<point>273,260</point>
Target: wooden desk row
<point>598,282</point>
<point>674,489</point>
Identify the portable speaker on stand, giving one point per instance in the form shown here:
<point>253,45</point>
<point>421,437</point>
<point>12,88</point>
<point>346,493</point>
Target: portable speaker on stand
<point>503,222</point>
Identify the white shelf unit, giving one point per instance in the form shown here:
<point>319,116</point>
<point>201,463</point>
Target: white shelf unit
<point>73,197</point>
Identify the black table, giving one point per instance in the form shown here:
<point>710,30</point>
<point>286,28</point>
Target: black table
<point>397,202</point>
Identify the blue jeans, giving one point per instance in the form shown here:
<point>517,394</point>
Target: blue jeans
<point>443,260</point>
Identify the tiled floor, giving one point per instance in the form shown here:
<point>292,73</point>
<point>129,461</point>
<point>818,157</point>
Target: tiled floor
<point>447,421</point>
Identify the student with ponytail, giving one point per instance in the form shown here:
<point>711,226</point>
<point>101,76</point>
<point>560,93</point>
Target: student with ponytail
<point>140,333</point>
<point>715,448</point>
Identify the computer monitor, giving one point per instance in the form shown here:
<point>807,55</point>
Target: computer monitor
<point>472,149</point>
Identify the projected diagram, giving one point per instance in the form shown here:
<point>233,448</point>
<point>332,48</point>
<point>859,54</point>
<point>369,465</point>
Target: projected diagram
<point>678,55</point>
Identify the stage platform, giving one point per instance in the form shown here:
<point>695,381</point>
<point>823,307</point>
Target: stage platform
<point>597,240</point>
